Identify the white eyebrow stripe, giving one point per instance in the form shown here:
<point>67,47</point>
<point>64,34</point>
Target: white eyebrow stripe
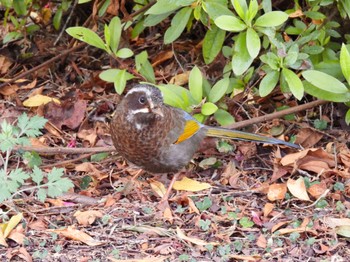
<point>138,89</point>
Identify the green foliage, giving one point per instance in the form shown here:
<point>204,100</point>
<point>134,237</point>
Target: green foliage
<point>18,12</point>
<point>297,56</point>
<point>112,35</point>
<point>11,180</point>
<point>205,204</point>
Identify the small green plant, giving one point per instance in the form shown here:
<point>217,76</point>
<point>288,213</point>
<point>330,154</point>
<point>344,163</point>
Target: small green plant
<point>204,224</point>
<point>245,222</point>
<point>19,13</point>
<point>205,204</point>
<point>51,184</point>
<point>112,36</point>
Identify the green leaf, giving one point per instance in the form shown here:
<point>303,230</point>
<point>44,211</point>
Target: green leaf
<point>124,53</point>
<point>144,67</point>
<point>240,7</point>
<point>20,7</point>
<point>178,24</point>
<point>324,81</point>
<point>325,95</point>
<point>195,84</point>
<point>31,126</point>
<point>120,80</point>
<point>215,9</point>
<point>223,117</point>
<point>41,194</point>
<point>294,83</point>
<point>345,62</point>
<point>57,18</point>
<point>268,83</point>
<point>153,20</point>
<point>274,18</point>
<point>37,175</point>
<point>161,7</point>
<point>205,204</point>
<point>208,109</point>
<point>230,23</point>
<point>252,11</point>
<point>33,159</point>
<point>218,90</point>
<point>86,35</point>
<point>241,60</point>
<point>115,31</point>
<point>176,96</point>
<point>271,60</point>
<point>347,117</point>
<point>253,43</point>
<point>212,43</point>
<point>245,222</point>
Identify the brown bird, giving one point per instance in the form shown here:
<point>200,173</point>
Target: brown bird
<point>163,139</point>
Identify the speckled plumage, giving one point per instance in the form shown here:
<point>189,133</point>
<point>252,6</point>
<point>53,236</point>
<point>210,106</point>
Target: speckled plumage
<point>152,146</point>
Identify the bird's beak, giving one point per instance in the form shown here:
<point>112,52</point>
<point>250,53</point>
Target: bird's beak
<point>158,111</point>
<point>155,109</point>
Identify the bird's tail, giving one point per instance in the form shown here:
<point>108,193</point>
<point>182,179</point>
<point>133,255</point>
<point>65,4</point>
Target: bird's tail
<point>239,135</point>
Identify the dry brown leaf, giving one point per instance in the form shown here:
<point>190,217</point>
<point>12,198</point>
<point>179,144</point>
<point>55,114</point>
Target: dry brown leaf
<point>18,235</point>
<point>158,188</point>
<point>78,235</point>
<point>333,222</point>
<point>316,190</point>
<point>161,57</point>
<point>279,225</point>
<point>193,240</point>
<point>307,137</point>
<point>180,79</point>
<point>245,258</point>
<point>88,217</point>
<point>315,160</point>
<point>298,189</point>
<point>9,90</point>
<point>268,208</point>
<point>261,241</point>
<point>277,192</point>
<point>188,184</point>
<point>21,253</point>
<point>296,13</point>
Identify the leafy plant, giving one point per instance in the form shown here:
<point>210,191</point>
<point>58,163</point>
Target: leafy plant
<point>52,184</point>
<point>112,36</point>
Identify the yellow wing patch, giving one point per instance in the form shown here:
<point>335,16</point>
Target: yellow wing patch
<point>191,127</point>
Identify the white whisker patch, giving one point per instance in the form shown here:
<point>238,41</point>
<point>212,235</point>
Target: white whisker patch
<point>132,113</point>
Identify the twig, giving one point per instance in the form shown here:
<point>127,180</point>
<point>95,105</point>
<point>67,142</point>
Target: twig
<point>276,115</point>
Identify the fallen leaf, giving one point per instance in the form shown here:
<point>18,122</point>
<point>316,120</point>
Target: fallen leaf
<point>180,79</point>
<point>87,217</point>
<point>298,189</point>
<point>158,188</point>
<point>268,208</point>
<point>343,231</point>
<point>193,240</point>
<point>188,184</point>
<point>276,192</point>
<point>261,241</point>
<point>39,100</point>
<point>78,235</point>
<point>336,222</point>
<point>316,190</point>
<point>14,220</point>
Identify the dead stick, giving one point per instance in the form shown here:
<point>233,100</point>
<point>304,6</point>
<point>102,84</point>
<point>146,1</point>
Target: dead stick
<point>276,115</point>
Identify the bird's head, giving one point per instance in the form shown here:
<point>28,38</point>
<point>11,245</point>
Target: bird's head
<point>144,103</point>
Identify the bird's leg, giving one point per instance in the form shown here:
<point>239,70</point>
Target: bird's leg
<point>167,193</point>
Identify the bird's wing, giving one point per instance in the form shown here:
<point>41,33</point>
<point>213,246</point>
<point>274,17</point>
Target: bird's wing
<point>192,126</point>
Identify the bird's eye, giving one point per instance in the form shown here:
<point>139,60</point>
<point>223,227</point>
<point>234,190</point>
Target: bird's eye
<point>142,100</point>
